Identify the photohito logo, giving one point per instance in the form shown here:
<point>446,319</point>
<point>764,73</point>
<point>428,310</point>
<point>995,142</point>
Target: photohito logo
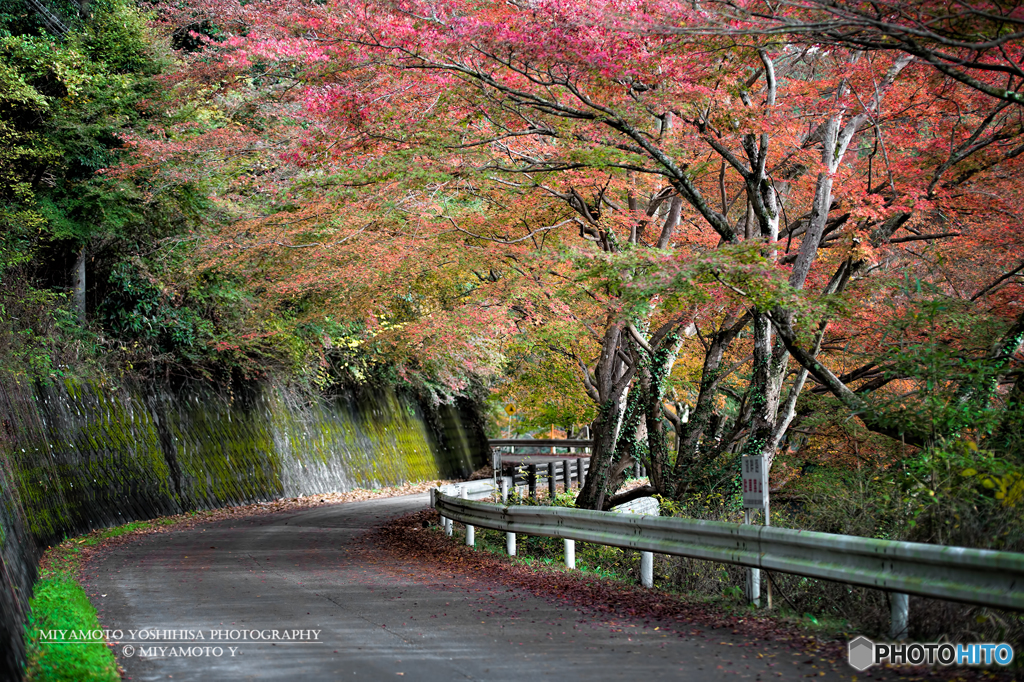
<point>863,653</point>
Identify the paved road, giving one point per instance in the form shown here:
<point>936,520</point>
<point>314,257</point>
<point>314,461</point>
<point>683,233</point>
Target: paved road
<point>376,619</point>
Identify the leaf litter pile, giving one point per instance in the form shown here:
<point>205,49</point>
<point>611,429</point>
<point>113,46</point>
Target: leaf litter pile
<point>417,537</point>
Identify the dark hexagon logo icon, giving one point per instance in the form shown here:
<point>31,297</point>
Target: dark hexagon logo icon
<point>862,653</point>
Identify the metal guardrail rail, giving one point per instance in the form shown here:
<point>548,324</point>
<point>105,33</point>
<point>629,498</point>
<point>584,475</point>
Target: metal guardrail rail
<point>472,490</point>
<point>540,443</point>
<point>524,467</point>
<point>973,576</point>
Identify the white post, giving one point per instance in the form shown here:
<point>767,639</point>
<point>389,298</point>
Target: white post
<point>754,478</point>
<point>647,569</point>
<point>753,574</point>
<point>899,615</point>
<point>447,523</point>
<point>754,586</point>
<point>510,543</point>
<point>570,553</point>
<point>470,530</point>
<point>504,489</point>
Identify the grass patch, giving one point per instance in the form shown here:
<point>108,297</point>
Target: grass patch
<point>60,603</point>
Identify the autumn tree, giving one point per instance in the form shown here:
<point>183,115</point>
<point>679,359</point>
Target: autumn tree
<point>661,190</point>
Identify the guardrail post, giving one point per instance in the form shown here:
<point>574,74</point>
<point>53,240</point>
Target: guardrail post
<point>531,480</point>
<point>510,543</point>
<point>470,530</point>
<point>551,481</point>
<point>433,504</point>
<point>753,587</point>
<point>899,615</point>
<point>504,489</point>
<point>570,553</point>
<point>647,569</point>
<point>566,475</point>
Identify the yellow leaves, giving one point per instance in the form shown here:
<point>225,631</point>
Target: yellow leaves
<point>1008,489</point>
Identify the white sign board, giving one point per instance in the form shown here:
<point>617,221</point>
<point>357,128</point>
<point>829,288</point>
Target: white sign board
<point>755,482</point>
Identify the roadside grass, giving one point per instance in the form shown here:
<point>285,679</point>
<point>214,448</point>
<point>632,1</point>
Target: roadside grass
<point>60,603</point>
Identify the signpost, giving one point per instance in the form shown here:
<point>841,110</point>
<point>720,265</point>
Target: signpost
<point>755,496</point>
<point>755,483</point>
<point>510,410</point>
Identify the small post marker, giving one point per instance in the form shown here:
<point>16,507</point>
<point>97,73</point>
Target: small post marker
<point>899,615</point>
<point>647,569</point>
<point>754,472</point>
<point>470,530</point>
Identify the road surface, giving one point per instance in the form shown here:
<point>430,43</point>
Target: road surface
<point>188,605</point>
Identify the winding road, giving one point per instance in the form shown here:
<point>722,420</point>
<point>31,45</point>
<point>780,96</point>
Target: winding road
<point>300,573</point>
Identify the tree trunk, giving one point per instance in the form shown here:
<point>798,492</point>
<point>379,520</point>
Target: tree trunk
<point>605,431</point>
<point>691,455</point>
<point>770,363</point>
<point>610,389</point>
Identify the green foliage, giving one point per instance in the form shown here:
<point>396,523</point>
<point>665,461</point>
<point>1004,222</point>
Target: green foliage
<point>939,348</point>
<point>959,494</point>
<point>138,308</point>
<point>63,111</point>
<point>65,108</point>
<point>351,352</point>
<point>60,603</point>
<point>542,382</point>
<point>38,333</point>
<point>117,36</point>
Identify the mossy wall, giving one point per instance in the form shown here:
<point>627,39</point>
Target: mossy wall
<point>76,457</point>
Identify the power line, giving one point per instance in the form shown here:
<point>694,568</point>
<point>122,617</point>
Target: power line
<point>52,21</point>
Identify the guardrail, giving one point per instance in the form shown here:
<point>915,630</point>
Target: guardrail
<point>536,458</point>
<point>480,489</point>
<point>570,443</point>
<point>973,576</point>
